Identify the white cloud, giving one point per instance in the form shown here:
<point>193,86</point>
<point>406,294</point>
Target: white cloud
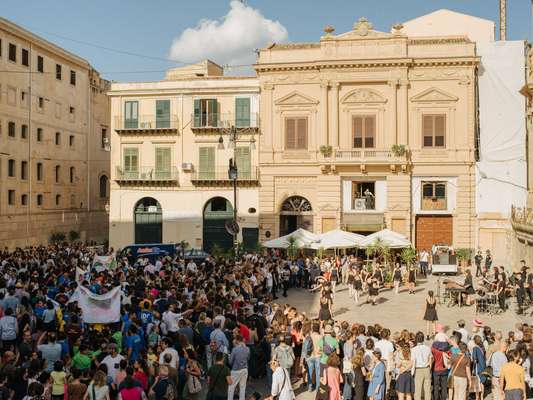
<point>230,39</point>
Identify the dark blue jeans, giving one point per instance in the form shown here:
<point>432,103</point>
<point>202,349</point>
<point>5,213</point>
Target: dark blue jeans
<point>440,385</point>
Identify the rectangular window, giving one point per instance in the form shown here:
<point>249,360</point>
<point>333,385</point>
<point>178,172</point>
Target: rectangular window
<point>104,139</point>
<point>25,57</point>
<point>24,131</point>
<point>40,102</point>
<point>58,72</point>
<point>73,78</point>
<point>71,110</point>
<point>39,200</point>
<point>11,128</point>
<point>58,138</point>
<point>434,196</point>
<point>40,64</point>
<point>11,197</point>
<point>23,170</point>
<point>57,173</point>
<point>39,134</point>
<point>12,52</point>
<point>162,162</point>
<point>364,131</point>
<point>206,162</point>
<point>131,114</point>
<point>206,113</point>
<point>242,112</point>
<point>11,168</point>
<point>0,48</point>
<point>244,163</point>
<point>434,130</point>
<point>24,200</point>
<point>71,140</point>
<point>131,162</point>
<point>162,114</point>
<point>39,171</point>
<point>23,98</point>
<point>296,133</point>
<point>363,196</point>
<point>58,200</point>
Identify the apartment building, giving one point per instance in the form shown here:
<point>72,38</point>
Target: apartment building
<point>54,127</point>
<point>367,129</point>
<point>170,152</point>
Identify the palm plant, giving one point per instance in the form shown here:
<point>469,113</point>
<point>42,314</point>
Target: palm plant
<point>292,250</point>
<point>408,256</point>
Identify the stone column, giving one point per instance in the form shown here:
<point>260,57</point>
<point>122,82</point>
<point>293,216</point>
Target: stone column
<point>394,123</point>
<point>334,137</point>
<point>324,93</point>
<point>403,113</point>
<point>267,120</point>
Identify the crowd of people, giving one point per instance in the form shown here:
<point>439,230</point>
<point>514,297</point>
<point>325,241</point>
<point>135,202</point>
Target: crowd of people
<point>203,330</point>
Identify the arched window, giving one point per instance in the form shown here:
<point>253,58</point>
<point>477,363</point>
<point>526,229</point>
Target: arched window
<point>103,186</point>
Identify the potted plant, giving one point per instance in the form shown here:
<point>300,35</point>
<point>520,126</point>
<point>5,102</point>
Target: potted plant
<point>399,150</point>
<point>292,250</point>
<point>326,150</point>
<point>57,237</point>
<point>408,256</point>
<point>463,256</point>
<point>388,280</point>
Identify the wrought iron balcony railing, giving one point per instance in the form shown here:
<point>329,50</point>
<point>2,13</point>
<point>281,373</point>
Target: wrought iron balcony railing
<point>146,174</point>
<point>147,123</point>
<point>217,121</point>
<point>220,176</point>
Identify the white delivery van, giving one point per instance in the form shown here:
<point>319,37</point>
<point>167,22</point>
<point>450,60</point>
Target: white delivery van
<point>444,260</point>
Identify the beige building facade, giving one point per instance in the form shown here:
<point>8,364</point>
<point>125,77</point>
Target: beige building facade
<point>366,130</point>
<point>170,152</point>
<point>54,127</point>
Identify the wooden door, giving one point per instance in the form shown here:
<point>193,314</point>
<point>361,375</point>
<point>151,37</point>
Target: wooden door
<point>433,229</point>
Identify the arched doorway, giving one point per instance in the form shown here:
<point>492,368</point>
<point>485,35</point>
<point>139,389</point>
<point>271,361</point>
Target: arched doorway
<point>296,212</point>
<point>216,212</point>
<point>148,217</point>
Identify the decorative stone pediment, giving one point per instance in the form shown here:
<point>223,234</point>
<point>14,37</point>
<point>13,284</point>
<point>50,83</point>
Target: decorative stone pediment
<point>362,29</point>
<point>363,95</point>
<point>432,95</point>
<point>296,99</point>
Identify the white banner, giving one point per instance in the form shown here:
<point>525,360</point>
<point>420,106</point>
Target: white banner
<point>101,263</point>
<point>96,308</point>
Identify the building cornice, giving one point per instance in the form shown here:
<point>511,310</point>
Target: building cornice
<point>183,91</point>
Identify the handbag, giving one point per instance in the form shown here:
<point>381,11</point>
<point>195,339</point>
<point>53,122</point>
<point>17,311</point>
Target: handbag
<point>450,378</point>
<point>193,384</point>
<point>323,389</point>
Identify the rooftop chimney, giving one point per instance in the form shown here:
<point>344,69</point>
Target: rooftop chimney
<point>503,19</point>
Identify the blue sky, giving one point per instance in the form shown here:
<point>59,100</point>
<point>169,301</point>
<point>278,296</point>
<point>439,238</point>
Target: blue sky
<point>149,27</point>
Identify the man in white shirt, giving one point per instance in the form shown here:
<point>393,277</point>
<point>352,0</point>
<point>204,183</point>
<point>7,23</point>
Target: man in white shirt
<point>464,333</point>
<point>166,345</point>
<point>112,361</point>
<point>191,266</point>
<point>385,346</point>
<point>497,360</point>
<point>424,262</point>
<point>422,359</point>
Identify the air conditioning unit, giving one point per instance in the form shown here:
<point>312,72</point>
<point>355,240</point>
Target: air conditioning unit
<point>146,125</point>
<point>359,205</point>
<point>106,140</point>
<point>187,166</point>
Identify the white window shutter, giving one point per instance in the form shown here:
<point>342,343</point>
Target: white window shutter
<point>346,195</point>
<point>381,195</point>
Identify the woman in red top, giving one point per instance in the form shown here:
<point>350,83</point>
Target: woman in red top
<point>140,373</point>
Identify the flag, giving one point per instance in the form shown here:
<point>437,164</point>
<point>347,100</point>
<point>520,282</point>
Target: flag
<point>101,263</point>
<point>98,308</point>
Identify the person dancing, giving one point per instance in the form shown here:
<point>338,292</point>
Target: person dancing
<point>430,315</point>
<point>412,279</point>
<point>397,278</point>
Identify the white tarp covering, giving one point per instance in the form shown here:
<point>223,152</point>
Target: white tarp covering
<point>389,238</point>
<point>96,308</point>
<point>338,239</point>
<point>501,173</point>
<point>302,238</point>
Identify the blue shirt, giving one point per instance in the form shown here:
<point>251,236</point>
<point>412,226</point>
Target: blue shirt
<point>133,342</point>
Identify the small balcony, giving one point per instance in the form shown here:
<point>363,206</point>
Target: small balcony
<point>365,156</point>
<point>220,177</point>
<point>150,124</point>
<point>147,175</point>
<point>215,122</point>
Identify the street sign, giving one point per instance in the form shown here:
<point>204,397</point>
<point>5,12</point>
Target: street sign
<point>232,227</point>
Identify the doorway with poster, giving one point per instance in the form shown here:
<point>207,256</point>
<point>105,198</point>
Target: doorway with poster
<point>296,212</point>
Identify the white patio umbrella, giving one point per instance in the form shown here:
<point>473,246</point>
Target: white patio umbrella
<point>301,237</point>
<point>389,238</point>
<point>337,239</point>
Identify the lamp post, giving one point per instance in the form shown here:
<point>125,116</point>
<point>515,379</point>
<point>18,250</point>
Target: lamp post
<point>233,175</point>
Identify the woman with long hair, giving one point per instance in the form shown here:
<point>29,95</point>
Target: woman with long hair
<point>430,315</point>
<point>405,385</point>
<point>350,280</point>
<point>479,364</point>
<point>376,387</point>
<point>332,377</point>
<point>98,389</point>
<point>130,390</point>
<point>193,370</point>
<point>411,279</point>
<point>359,376</point>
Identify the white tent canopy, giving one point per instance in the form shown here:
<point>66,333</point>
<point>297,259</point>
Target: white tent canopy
<point>337,239</point>
<point>389,238</point>
<point>302,238</point>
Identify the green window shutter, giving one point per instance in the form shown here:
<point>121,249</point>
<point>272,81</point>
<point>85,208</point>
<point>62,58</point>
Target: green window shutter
<point>244,162</point>
<point>213,114</point>
<point>206,163</point>
<point>131,162</point>
<point>242,112</point>
<point>131,114</point>
<point>162,113</point>
<point>162,162</point>
<point>197,113</point>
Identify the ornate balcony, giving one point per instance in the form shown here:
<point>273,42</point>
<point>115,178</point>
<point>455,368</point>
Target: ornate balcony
<point>366,156</point>
<point>215,122</point>
<point>522,222</point>
<point>220,177</point>
<point>147,175</point>
<point>148,124</point>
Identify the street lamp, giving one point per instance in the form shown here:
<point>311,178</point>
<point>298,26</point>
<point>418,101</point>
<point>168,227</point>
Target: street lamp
<point>233,174</point>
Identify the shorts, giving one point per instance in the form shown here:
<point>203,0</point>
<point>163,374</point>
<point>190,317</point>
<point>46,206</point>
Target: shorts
<point>514,394</point>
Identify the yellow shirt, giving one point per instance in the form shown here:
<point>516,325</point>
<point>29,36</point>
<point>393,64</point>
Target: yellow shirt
<point>58,382</point>
<point>513,375</point>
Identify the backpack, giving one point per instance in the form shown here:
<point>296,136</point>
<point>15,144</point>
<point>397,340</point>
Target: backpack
<point>170,392</point>
<point>307,348</point>
<point>327,348</point>
<point>285,357</point>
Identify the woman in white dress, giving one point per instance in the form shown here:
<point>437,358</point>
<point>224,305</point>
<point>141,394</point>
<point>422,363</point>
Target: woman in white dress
<point>281,383</point>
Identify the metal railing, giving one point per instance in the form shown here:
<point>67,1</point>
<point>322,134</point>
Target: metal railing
<point>221,175</point>
<point>146,174</point>
<point>146,122</point>
<point>364,154</point>
<point>224,120</point>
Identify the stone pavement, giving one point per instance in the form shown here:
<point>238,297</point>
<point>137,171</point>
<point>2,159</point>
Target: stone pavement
<point>396,312</point>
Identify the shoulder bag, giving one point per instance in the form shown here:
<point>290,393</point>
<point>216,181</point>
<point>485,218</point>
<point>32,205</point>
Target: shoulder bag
<point>323,389</point>
<point>450,378</point>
